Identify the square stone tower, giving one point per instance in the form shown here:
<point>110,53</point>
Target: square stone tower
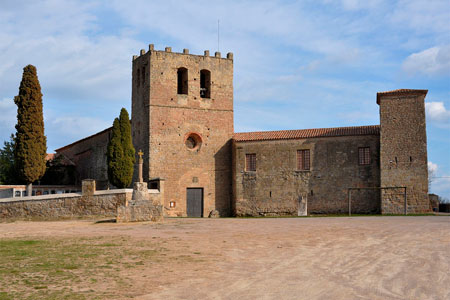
<point>182,119</point>
<point>403,151</point>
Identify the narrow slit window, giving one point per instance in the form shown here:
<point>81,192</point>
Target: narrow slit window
<point>182,87</point>
<point>143,75</point>
<point>364,155</point>
<point>250,162</point>
<point>303,160</point>
<point>138,79</point>
<point>205,84</point>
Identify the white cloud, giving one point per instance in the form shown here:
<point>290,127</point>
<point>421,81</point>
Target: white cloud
<point>429,18</point>
<point>431,61</point>
<point>67,129</point>
<point>432,167</point>
<point>81,69</point>
<point>438,114</point>
<point>440,182</point>
<point>441,186</point>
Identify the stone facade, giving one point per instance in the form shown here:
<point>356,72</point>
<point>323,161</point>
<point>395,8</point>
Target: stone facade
<point>277,187</point>
<point>89,157</point>
<point>182,119</point>
<point>186,138</point>
<point>403,155</point>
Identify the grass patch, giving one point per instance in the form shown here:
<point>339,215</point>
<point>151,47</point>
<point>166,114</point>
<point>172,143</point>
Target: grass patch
<point>69,268</point>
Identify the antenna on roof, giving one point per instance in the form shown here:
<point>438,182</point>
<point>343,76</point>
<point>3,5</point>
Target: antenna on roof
<point>218,35</point>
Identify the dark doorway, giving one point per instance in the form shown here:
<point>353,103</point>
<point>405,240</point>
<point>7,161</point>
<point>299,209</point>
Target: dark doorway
<point>195,202</point>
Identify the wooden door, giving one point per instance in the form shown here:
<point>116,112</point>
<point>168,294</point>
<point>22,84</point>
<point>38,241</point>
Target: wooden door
<point>195,202</point>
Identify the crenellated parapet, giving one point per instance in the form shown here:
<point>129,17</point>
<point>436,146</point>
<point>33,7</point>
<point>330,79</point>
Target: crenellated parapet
<point>151,49</point>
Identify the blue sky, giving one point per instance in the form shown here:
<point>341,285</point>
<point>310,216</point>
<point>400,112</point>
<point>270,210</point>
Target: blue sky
<point>297,64</point>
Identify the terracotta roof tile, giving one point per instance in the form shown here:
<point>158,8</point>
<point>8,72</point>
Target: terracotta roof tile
<point>50,156</point>
<point>306,133</point>
<point>401,92</point>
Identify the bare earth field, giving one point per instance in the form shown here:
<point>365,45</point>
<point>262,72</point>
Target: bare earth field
<point>271,258</point>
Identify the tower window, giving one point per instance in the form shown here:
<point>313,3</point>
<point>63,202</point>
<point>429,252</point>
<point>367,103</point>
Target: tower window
<point>303,160</point>
<point>138,77</point>
<point>364,155</point>
<point>143,75</point>
<point>193,141</point>
<point>250,162</point>
<point>182,75</point>
<point>205,84</point>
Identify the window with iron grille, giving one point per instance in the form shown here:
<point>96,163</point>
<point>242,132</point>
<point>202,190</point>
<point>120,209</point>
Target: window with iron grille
<point>250,162</point>
<point>364,155</point>
<point>303,160</point>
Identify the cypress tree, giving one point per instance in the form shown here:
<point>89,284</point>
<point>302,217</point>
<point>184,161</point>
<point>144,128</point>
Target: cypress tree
<point>121,152</point>
<point>31,143</point>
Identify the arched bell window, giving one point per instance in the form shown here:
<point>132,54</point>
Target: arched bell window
<point>205,84</point>
<point>182,86</point>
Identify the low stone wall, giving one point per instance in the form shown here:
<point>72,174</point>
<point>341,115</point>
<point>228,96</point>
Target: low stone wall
<point>147,205</point>
<point>263,207</point>
<point>106,203</point>
<point>102,203</point>
<point>139,211</point>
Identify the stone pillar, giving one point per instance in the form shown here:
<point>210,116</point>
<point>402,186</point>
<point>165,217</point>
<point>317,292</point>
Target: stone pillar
<point>140,191</point>
<point>88,187</point>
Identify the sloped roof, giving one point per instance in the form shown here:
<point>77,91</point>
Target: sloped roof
<point>400,92</point>
<point>59,159</point>
<point>306,133</point>
<point>84,139</point>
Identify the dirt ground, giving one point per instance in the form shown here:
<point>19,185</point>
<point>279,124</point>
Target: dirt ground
<point>275,258</point>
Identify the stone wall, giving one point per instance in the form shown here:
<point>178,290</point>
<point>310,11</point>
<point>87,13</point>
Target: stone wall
<point>138,211</point>
<point>277,187</point>
<point>403,150</point>
<point>146,205</point>
<point>434,202</point>
<point>89,156</point>
<point>88,203</point>
<point>164,121</point>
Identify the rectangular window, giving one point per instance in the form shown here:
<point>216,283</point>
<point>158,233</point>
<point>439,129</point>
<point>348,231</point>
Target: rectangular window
<point>250,162</point>
<point>143,75</point>
<point>303,160</point>
<point>364,155</point>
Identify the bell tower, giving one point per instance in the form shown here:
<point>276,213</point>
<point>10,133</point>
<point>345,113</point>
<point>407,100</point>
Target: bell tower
<point>182,119</point>
<point>403,150</point>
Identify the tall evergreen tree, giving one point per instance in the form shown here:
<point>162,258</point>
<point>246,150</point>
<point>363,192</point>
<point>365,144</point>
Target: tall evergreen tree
<point>31,143</point>
<point>121,153</point>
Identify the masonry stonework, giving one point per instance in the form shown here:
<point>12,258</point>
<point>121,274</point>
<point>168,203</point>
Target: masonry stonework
<point>182,120</point>
<point>277,187</point>
<point>89,157</point>
<point>167,120</point>
<point>403,155</point>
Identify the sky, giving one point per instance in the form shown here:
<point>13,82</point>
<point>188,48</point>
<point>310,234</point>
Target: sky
<point>297,64</point>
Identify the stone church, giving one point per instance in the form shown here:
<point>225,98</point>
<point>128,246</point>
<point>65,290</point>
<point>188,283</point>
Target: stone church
<point>182,119</point>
